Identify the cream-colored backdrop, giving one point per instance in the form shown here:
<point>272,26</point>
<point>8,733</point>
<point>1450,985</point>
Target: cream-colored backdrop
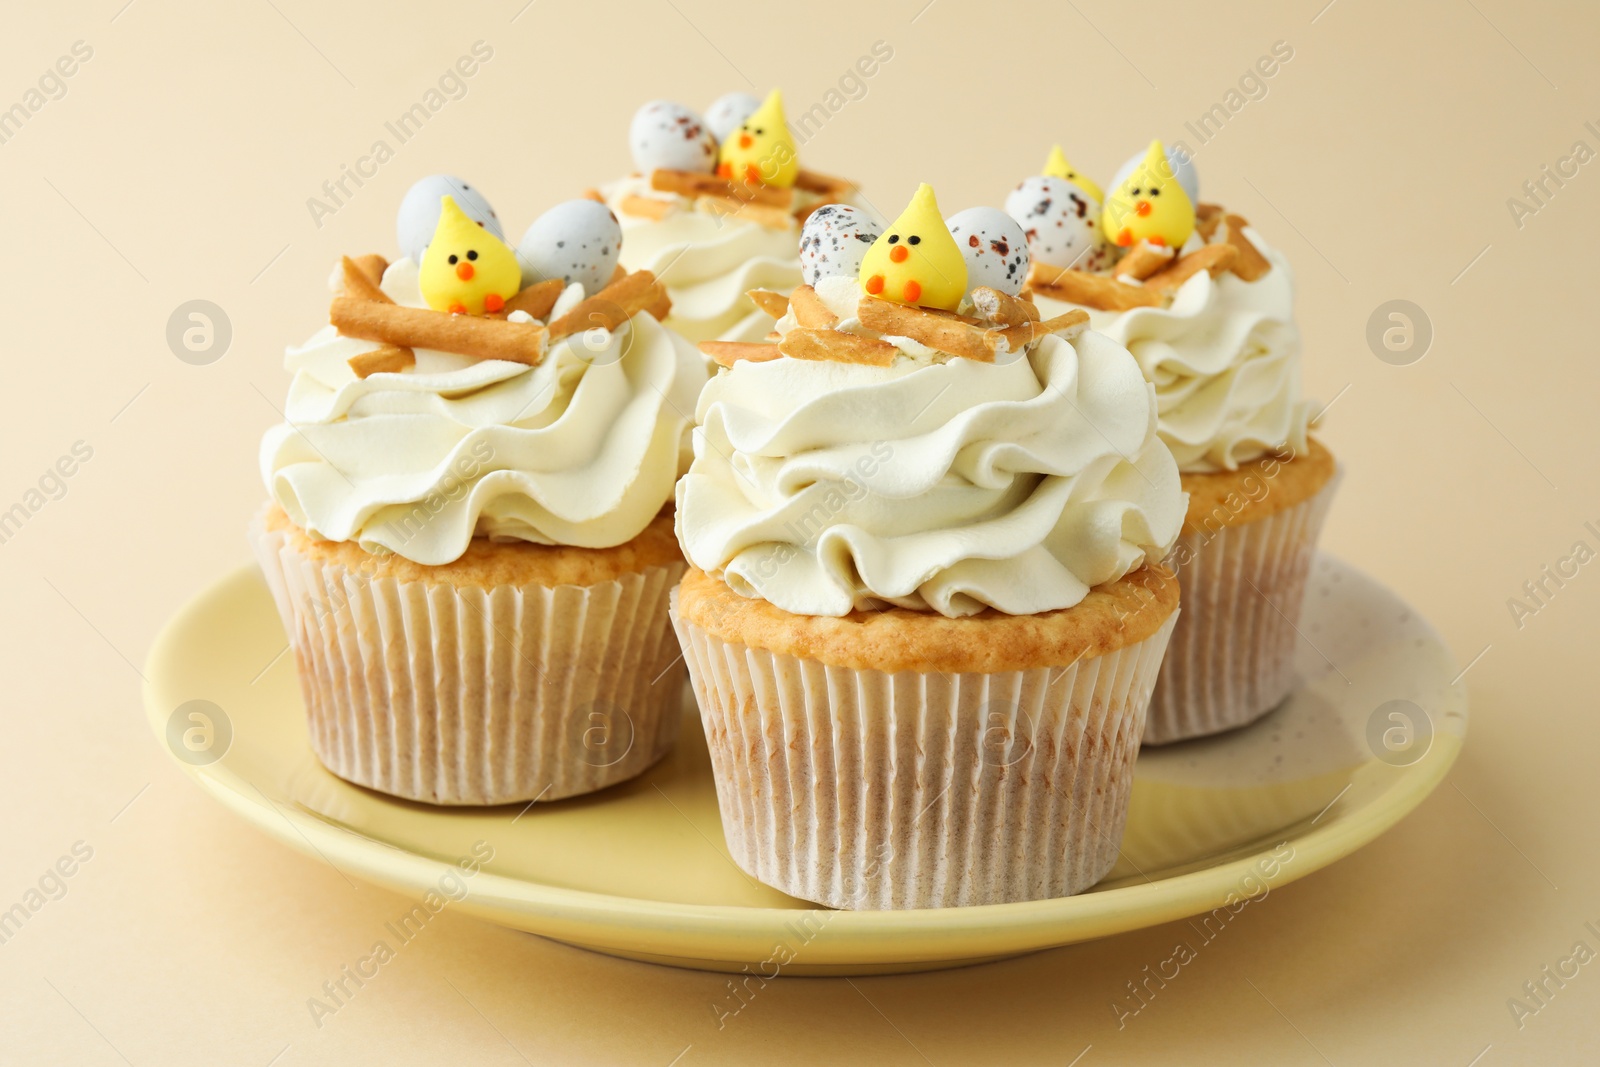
<point>176,164</point>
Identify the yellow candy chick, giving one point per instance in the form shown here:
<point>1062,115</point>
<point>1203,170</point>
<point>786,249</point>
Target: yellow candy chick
<point>916,261</point>
<point>1058,167</point>
<point>466,269</point>
<point>1149,205</point>
<point>761,152</point>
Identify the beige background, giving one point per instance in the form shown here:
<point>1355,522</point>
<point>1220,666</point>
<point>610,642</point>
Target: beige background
<point>177,166</point>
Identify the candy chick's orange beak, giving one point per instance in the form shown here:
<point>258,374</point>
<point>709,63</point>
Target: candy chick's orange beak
<point>465,271</point>
<point>1144,208</point>
<point>898,254</point>
<point>745,140</point>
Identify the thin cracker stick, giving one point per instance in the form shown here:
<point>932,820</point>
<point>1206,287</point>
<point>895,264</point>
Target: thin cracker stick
<point>774,304</point>
<point>773,218</point>
<point>610,307</point>
<point>810,311</point>
<point>662,306</point>
<point>1091,290</point>
<point>1068,324</point>
<point>1207,217</point>
<point>823,185</point>
<point>941,313</point>
<point>465,335</point>
<point>1251,264</point>
<point>948,335</point>
<point>646,207</point>
<point>693,183</point>
<point>373,266</point>
<point>1213,258</point>
<point>385,359</point>
<point>1143,260</point>
<point>592,194</point>
<point>536,299</point>
<point>837,346</point>
<point>1003,308</point>
<point>727,353</point>
<point>358,284</point>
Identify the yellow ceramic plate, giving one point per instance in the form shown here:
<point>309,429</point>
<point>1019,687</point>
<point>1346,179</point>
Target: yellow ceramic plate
<point>641,870</point>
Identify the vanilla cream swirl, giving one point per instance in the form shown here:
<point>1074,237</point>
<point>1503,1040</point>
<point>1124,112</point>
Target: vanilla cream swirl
<point>582,449</point>
<point>708,263</point>
<point>947,486</point>
<point>1225,361</point>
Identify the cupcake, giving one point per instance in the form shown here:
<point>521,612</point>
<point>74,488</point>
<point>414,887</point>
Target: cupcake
<point>1206,307</point>
<point>715,208</point>
<point>924,610</point>
<point>469,536</point>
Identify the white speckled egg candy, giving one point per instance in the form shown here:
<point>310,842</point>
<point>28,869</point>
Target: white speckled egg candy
<point>728,111</point>
<point>576,241</point>
<point>1061,222</point>
<point>419,212</point>
<point>1182,169</point>
<point>994,246</point>
<point>668,136</point>
<point>834,240</point>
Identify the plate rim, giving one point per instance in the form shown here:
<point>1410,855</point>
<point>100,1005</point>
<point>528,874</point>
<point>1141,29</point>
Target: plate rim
<point>667,928</point>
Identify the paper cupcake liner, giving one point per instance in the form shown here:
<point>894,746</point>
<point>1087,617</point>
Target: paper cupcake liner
<point>1231,659</point>
<point>451,695</point>
<point>869,790</point>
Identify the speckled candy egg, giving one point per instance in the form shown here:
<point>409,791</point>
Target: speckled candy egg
<point>728,111</point>
<point>668,136</point>
<point>1182,169</point>
<point>1061,221</point>
<point>834,240</point>
<point>577,241</point>
<point>995,248</point>
<point>419,212</point>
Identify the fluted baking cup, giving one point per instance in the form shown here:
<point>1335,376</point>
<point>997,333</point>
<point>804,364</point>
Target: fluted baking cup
<point>465,695</point>
<point>1231,659</point>
<point>872,790</point>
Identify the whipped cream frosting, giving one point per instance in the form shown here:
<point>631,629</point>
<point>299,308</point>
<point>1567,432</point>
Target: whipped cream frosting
<point>1225,361</point>
<point>947,486</point>
<point>582,449</point>
<point>707,262</point>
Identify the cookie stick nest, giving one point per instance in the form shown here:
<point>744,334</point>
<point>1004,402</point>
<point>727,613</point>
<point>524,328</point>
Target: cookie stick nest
<point>955,337</point>
<point>727,353</point>
<point>359,279</point>
<point>1098,291</point>
<point>809,310</point>
<point>611,306</point>
<point>696,184</point>
<point>1250,264</point>
<point>773,303</point>
<point>1003,308</point>
<point>837,346</point>
<point>465,335</point>
<point>1215,258</point>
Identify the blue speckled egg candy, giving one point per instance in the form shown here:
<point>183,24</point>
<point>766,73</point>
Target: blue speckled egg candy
<point>419,212</point>
<point>576,241</point>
